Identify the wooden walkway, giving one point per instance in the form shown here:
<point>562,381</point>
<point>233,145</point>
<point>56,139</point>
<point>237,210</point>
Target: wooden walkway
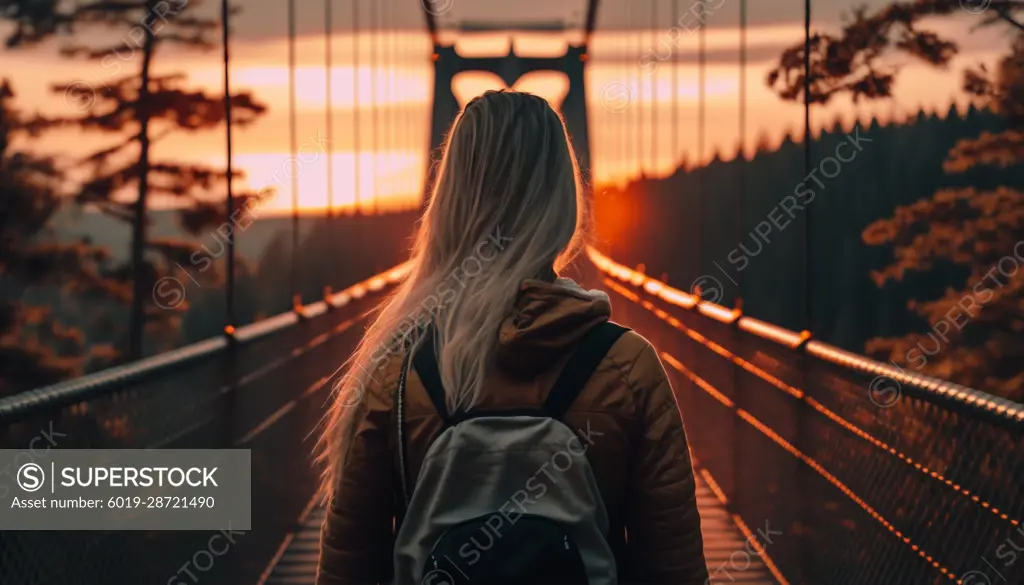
<point>725,547</point>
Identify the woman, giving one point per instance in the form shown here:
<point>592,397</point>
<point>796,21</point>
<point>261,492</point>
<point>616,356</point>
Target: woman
<point>506,216</point>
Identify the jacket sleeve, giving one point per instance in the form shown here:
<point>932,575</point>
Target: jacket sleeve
<point>356,536</point>
<point>663,523</point>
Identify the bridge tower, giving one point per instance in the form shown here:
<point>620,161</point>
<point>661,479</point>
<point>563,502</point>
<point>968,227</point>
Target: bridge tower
<point>510,68</point>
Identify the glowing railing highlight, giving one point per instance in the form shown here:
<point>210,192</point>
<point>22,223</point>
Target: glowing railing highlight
<point>113,379</point>
<point>924,387</point>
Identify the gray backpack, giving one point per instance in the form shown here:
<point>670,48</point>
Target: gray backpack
<point>505,497</point>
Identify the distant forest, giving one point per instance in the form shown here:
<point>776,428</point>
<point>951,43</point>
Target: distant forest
<point>904,241</point>
<point>693,223</point>
<point>334,252</point>
<point>92,273</point>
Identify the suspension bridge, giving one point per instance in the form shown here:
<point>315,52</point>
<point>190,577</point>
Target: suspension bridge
<point>815,464</point>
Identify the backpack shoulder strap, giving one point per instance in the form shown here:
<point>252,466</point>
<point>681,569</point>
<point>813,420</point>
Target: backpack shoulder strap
<point>402,495</point>
<point>581,365</point>
<point>425,363</point>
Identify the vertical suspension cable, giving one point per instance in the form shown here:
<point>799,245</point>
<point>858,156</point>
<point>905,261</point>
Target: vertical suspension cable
<point>808,289</point>
<point>739,494</point>
<point>641,115</point>
<point>675,89</point>
<point>622,50</point>
<point>383,67</point>
<point>638,122</point>
<point>410,113</point>
<point>628,113</point>
<point>626,46</point>
<point>654,88</point>
<point>701,74</point>
<point>612,163</point>
<point>229,300</point>
<point>329,110</point>
<point>615,123</point>
<point>356,152</point>
<point>296,286</point>
<point>701,169</point>
<point>623,68</point>
<point>392,119</point>
<point>741,178</point>
<point>404,112</point>
<point>385,96</point>
<point>644,114</point>
<point>803,436</point>
<point>375,138</point>
<point>412,47</point>
<point>396,111</point>
<point>329,105</point>
<point>396,54</point>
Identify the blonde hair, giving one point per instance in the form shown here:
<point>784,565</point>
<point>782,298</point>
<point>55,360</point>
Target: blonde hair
<point>507,205</point>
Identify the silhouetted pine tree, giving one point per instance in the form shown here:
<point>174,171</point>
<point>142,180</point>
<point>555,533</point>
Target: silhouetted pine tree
<point>976,225</point>
<point>36,346</point>
<point>137,109</point>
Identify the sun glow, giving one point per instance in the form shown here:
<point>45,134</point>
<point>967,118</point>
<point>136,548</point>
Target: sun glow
<point>384,180</point>
<point>381,116</point>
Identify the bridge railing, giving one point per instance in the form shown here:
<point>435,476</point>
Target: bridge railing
<point>223,392</point>
<point>257,344</point>
<point>846,470</point>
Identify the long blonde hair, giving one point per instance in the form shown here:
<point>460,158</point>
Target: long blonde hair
<point>507,205</point>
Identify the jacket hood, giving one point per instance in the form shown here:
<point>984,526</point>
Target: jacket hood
<point>547,320</point>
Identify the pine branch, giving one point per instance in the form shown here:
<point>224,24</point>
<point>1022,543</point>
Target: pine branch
<point>101,156</point>
<point>849,62</point>
<point>1003,150</point>
<point>962,226</point>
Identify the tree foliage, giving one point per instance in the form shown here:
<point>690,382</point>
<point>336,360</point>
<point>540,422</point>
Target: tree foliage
<point>975,331</point>
<point>37,346</point>
<point>138,108</point>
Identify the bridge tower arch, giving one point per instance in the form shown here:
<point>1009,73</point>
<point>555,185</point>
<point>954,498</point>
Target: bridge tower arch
<point>510,68</point>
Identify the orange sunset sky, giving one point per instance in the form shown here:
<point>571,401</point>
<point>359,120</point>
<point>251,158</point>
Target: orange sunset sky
<point>392,161</point>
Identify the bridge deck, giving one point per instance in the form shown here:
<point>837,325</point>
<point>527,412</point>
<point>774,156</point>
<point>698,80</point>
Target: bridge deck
<point>723,544</point>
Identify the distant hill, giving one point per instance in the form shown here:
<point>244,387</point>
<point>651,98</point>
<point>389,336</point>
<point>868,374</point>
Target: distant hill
<point>339,252</point>
<point>115,235</point>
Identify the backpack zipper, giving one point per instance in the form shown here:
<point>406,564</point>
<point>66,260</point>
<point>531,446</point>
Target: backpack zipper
<point>432,558</point>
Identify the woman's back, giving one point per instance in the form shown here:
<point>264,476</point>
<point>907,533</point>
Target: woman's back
<point>625,418</point>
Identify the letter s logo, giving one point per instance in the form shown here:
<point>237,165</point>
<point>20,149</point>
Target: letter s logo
<point>648,63</point>
<point>31,477</point>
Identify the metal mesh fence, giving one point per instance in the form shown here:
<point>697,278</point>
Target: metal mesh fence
<point>266,395</point>
<point>869,479</point>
